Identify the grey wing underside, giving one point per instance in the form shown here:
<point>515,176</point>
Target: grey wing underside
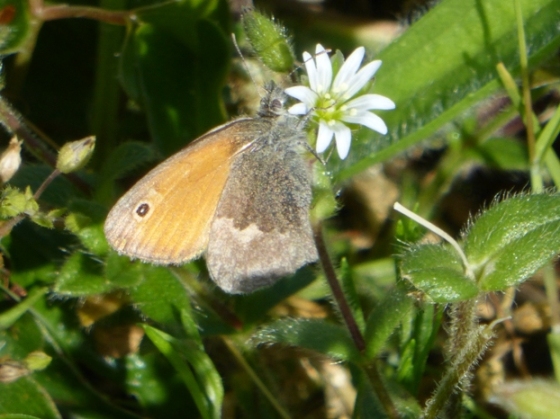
<point>261,230</point>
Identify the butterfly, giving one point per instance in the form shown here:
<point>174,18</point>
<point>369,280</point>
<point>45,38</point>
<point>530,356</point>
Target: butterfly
<point>240,194</point>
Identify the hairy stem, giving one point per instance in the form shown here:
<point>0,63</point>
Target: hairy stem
<point>371,370</point>
<point>457,371</point>
<point>336,289</point>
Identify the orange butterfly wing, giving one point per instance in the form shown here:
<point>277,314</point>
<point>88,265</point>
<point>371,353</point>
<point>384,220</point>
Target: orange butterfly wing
<point>165,217</point>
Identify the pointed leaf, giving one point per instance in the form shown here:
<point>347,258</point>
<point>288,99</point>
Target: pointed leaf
<point>513,239</point>
<point>204,384</point>
<point>25,396</point>
<point>436,71</point>
<point>317,335</point>
<point>81,276</point>
<point>384,318</point>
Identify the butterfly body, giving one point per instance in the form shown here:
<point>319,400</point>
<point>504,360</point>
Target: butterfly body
<point>241,193</point>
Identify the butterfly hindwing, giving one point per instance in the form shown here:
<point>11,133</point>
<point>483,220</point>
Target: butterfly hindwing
<point>261,230</point>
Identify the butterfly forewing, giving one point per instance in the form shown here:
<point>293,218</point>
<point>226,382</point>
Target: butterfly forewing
<point>165,217</point>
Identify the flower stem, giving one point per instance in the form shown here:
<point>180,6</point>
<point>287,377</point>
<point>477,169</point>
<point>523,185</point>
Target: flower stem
<point>6,227</point>
<point>381,392</point>
<point>16,124</point>
<point>336,289</point>
<point>371,370</point>
<point>456,372</point>
<point>425,223</point>
<point>62,11</point>
<point>46,183</point>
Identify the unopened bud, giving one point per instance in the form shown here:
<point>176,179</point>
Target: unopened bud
<point>269,40</point>
<point>37,360</point>
<point>10,160</point>
<point>75,155</point>
<point>11,370</point>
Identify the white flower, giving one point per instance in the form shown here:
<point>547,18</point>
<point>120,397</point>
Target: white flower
<point>330,102</point>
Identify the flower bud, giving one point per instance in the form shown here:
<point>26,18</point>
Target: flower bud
<point>75,155</point>
<point>37,360</point>
<point>269,41</point>
<point>11,370</point>
<point>10,160</point>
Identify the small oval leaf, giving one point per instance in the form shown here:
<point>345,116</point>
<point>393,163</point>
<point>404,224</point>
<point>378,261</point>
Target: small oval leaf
<point>438,272</point>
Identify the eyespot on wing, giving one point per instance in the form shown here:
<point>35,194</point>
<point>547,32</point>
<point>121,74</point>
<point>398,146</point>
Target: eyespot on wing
<point>165,217</point>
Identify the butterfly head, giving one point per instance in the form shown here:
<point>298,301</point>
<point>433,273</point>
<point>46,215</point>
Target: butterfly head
<point>272,104</point>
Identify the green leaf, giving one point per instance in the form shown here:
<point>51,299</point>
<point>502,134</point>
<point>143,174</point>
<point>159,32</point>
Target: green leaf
<point>317,335</point>
<point>414,353</point>
<point>81,276</point>
<point>86,222</point>
<point>503,153</point>
<point>385,318</point>
<point>175,63</point>
<point>73,392</point>
<point>190,326</point>
<point>204,384</point>
<point>122,272</point>
<point>513,239</point>
<point>42,219</point>
<point>252,307</point>
<point>25,396</point>
<point>437,271</point>
<point>144,381</point>
<point>445,64</point>
<point>53,329</point>
<point>160,295</point>
<point>90,234</point>
<point>530,399</point>
<point>15,25</point>
<point>368,406</point>
<point>14,202</point>
<point>180,19</point>
<point>35,253</point>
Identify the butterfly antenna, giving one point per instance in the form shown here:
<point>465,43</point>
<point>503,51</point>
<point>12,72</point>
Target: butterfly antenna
<point>236,45</point>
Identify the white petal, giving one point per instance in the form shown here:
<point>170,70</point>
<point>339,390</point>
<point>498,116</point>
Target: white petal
<point>303,94</point>
<point>343,137</point>
<point>348,70</point>
<point>362,77</point>
<point>324,69</point>
<point>370,101</point>
<point>369,120</point>
<point>298,109</point>
<point>311,70</point>
<point>324,137</point>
